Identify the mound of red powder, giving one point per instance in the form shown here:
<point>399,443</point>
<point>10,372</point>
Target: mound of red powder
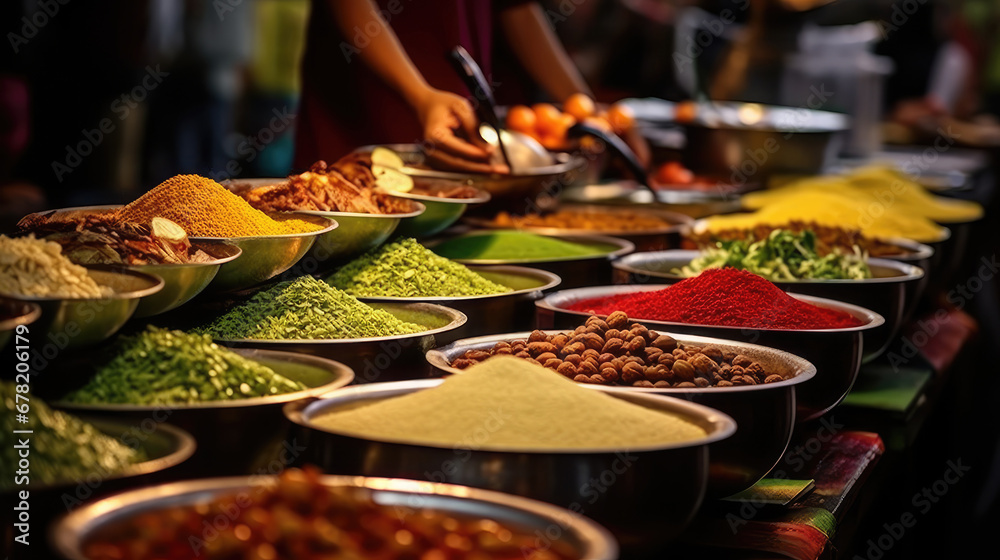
<point>725,296</point>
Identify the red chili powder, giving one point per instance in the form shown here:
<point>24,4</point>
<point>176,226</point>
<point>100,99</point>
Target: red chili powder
<point>724,296</point>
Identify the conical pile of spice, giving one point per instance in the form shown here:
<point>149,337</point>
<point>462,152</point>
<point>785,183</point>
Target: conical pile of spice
<point>406,268</point>
<point>521,406</point>
<point>205,208</point>
<point>306,308</point>
<point>723,296</point>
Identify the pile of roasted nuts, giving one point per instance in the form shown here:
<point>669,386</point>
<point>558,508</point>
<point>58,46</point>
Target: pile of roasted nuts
<point>613,352</point>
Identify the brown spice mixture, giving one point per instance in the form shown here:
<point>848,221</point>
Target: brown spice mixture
<point>614,352</point>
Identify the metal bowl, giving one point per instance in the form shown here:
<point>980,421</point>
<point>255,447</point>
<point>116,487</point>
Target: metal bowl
<point>266,256</point>
<point>358,233</point>
<point>644,496</point>
<point>589,540</point>
<point>166,447</point>
<point>495,312</point>
<point>440,214</point>
<point>181,282</point>
<point>15,313</point>
<point>628,194</point>
<point>81,322</point>
<point>885,293</point>
<point>836,353</point>
<point>235,436</point>
<point>574,271</point>
<point>383,358</point>
<point>668,237</point>
<point>764,414</point>
<point>512,191</point>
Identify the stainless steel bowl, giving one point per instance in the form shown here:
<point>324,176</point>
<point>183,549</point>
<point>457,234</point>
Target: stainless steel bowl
<point>514,191</point>
<point>440,214</point>
<point>357,233</point>
<point>764,414</point>
<point>82,322</point>
<point>383,358</point>
<point>495,312</point>
<point>574,271</point>
<point>589,540</point>
<point>628,194</point>
<point>166,447</point>
<point>885,293</point>
<point>181,282</point>
<point>668,237</point>
<point>645,497</point>
<point>15,313</point>
<point>235,437</point>
<point>266,256</point>
<point>836,353</point>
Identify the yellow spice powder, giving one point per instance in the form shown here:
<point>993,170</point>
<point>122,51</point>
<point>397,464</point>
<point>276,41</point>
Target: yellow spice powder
<point>506,403</point>
<point>205,208</point>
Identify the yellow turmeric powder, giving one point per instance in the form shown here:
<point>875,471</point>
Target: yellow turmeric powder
<point>204,208</point>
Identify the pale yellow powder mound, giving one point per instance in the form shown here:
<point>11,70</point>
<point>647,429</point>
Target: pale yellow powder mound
<point>506,403</point>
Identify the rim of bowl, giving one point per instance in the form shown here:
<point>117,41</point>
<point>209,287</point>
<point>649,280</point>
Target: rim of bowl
<point>418,208</point>
<point>69,533</point>
<point>571,163</point>
<point>31,311</point>
<point>481,197</point>
<point>804,369</point>
<point>907,272</point>
<point>457,320</point>
<point>871,319</point>
<point>213,262</point>
<point>624,247</point>
<point>717,425</point>
<point>679,222</point>
<point>156,281</point>
<point>551,281</point>
<point>343,376</point>
<point>701,225</point>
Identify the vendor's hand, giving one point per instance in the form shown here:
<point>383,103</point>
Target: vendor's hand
<point>444,117</point>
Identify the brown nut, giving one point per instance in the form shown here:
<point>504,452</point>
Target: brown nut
<point>657,373</point>
<point>662,384</point>
<point>574,359</point>
<point>553,363</point>
<point>613,346</point>
<point>598,379</point>
<point>685,385</point>
<point>612,333</point>
<point>683,370</point>
<point>573,348</point>
<point>643,383</point>
<point>617,320</point>
<point>538,336</point>
<point>653,354</point>
<point>523,354</point>
<point>538,348</point>
<point>502,351</point>
<point>581,378</point>
<point>590,353</point>
<point>592,340</point>
<point>605,358</point>
<point>546,356</point>
<point>713,352</point>
<point>610,374</point>
<point>595,321</point>
<point>774,378</point>
<point>501,344</point>
<point>704,365</point>
<point>638,330</point>
<point>559,340</point>
<point>632,372</point>
<point>724,383</point>
<point>579,330</point>
<point>679,353</point>
<point>567,369</point>
<point>666,359</point>
<point>594,329</point>
<point>741,360</point>
<point>757,371</point>
<point>665,342</point>
<point>738,380</point>
<point>636,345</point>
<point>728,356</point>
<point>587,367</point>
<point>701,382</point>
<point>462,363</point>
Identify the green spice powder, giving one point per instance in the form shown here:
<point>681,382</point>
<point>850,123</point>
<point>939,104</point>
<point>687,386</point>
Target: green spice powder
<point>306,308</point>
<point>64,449</point>
<point>160,366</point>
<point>513,245</point>
<point>408,269</point>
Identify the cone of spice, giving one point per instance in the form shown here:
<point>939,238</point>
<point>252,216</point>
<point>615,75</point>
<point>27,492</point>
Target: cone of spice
<point>725,297</point>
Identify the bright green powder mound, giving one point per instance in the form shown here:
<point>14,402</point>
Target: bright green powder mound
<point>513,245</point>
<point>408,269</point>
<point>160,366</point>
<point>306,308</point>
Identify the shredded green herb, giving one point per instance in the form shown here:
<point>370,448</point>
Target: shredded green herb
<point>64,449</point>
<point>406,268</point>
<point>306,308</point>
<point>160,366</point>
<point>783,256</point>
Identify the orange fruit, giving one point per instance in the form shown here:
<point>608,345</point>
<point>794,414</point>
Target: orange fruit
<point>685,111</point>
<point>547,117</point>
<point>620,118</point>
<point>598,122</point>
<point>522,119</point>
<point>673,173</point>
<point>580,106</point>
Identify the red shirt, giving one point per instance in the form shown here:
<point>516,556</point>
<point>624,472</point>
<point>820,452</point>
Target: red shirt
<point>345,104</point>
